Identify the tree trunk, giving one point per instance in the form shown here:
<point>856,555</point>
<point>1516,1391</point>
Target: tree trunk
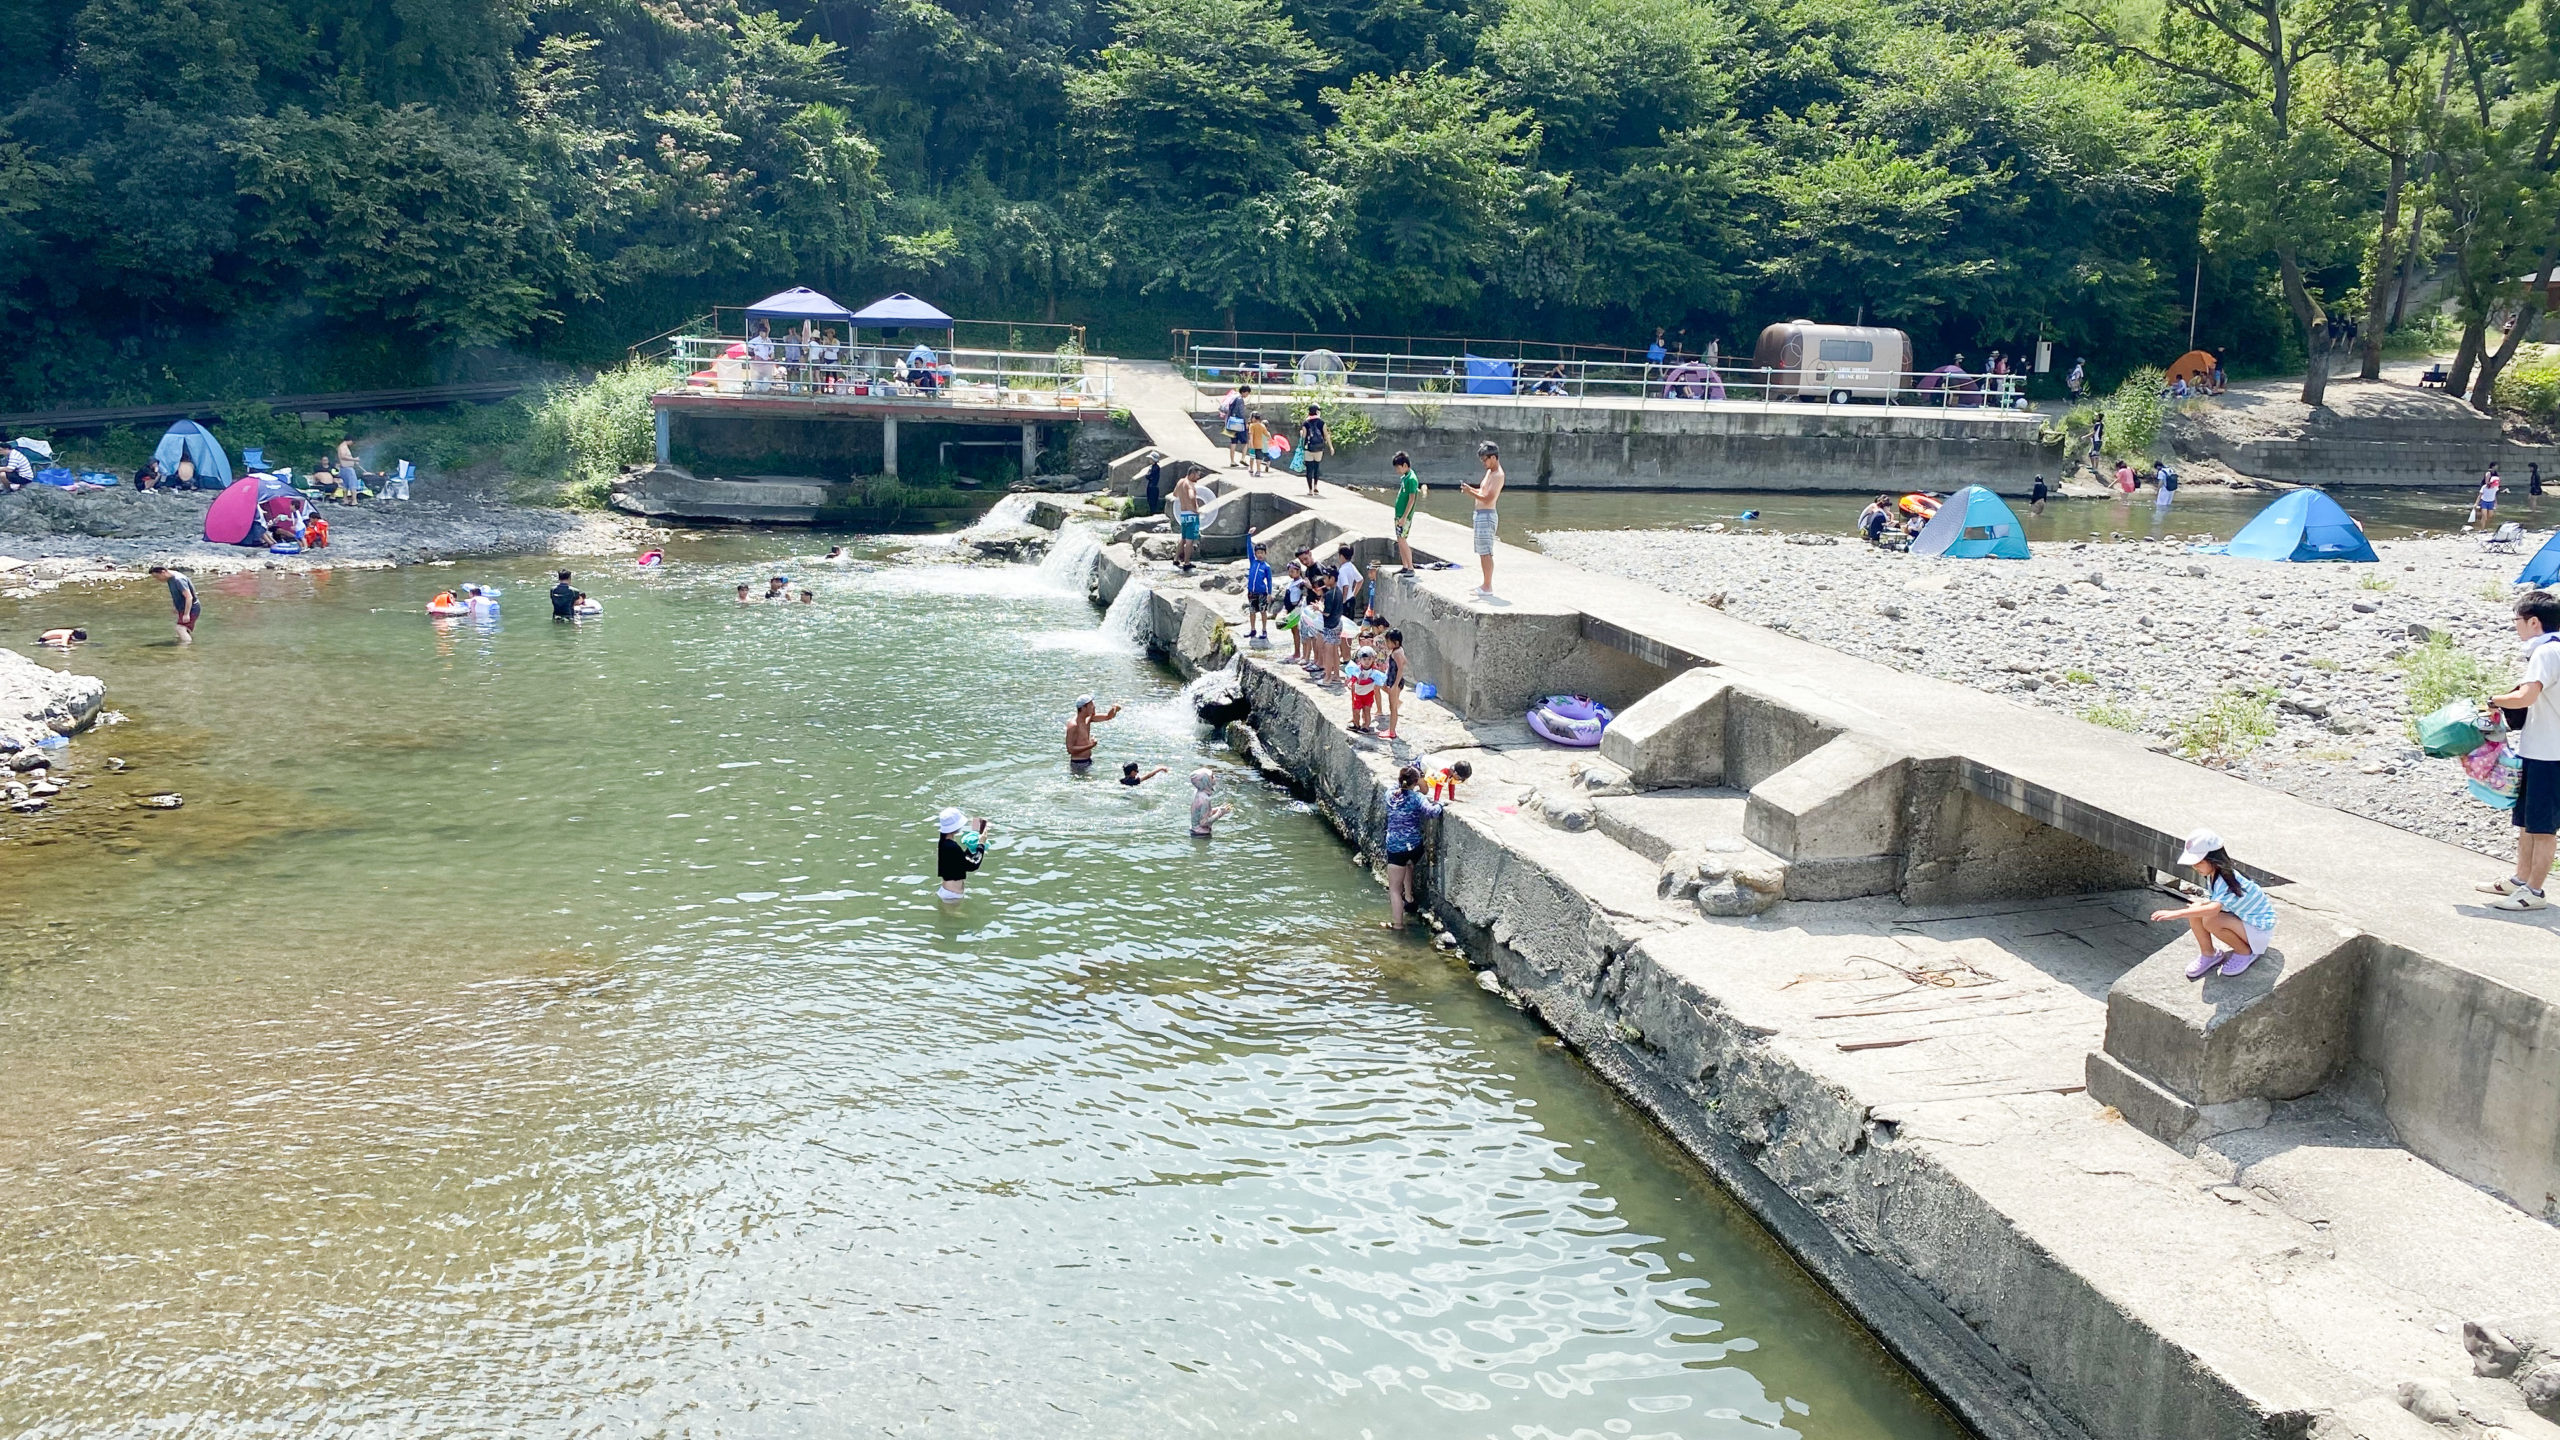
<point>2315,329</point>
<point>2484,394</point>
<point>2409,267</point>
<point>2465,355</point>
<point>2378,289</point>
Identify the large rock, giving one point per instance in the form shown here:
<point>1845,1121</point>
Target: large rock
<point>36,701</point>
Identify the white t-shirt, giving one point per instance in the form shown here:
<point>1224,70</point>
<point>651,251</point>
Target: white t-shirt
<point>2540,737</point>
<point>1349,575</point>
<point>2488,492</point>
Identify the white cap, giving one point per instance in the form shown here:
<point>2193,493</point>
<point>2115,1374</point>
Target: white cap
<point>2199,845</point>
<point>1084,702</point>
<point>950,819</point>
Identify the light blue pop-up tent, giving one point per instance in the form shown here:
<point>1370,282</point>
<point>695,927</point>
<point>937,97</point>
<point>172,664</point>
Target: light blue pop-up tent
<point>1489,377</point>
<point>2304,525</point>
<point>2544,567</point>
<point>192,441</point>
<point>1973,523</point>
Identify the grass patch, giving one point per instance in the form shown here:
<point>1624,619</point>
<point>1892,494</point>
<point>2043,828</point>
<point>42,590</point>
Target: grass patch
<point>2494,592</point>
<point>585,433</point>
<point>2321,662</point>
<point>2113,717</point>
<point>2079,677</point>
<point>2439,672</point>
<point>2372,582</point>
<point>2238,720</point>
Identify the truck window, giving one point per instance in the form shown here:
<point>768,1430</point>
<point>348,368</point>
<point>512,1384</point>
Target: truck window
<point>1861,350</point>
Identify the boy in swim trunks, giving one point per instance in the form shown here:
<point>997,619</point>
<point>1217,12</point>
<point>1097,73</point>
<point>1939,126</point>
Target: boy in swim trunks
<point>1130,777</point>
<point>182,598</point>
<point>1408,500</point>
<point>1186,516</point>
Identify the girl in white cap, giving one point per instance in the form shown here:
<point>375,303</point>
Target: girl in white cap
<point>1205,811</point>
<point>2235,915</point>
<point>962,851</point>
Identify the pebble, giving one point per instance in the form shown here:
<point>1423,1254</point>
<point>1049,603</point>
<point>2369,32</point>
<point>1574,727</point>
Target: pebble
<point>2188,626</point>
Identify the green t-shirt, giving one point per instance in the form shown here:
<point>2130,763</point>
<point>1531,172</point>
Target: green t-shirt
<point>1405,494</point>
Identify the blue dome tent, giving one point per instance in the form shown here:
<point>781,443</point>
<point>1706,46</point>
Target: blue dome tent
<point>2544,567</point>
<point>192,441</point>
<point>2305,525</point>
<point>1972,524</point>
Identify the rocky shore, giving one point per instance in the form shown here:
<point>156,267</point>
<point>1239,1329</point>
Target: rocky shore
<point>49,537</point>
<point>2291,676</point>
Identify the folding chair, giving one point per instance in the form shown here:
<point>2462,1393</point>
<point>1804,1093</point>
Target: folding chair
<point>2507,539</point>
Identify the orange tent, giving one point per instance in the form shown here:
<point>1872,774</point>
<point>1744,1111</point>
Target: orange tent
<point>2195,365</point>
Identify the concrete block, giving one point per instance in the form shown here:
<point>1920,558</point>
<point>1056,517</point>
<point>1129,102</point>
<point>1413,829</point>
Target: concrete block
<point>1675,736</point>
<point>2276,1033</point>
<point>2468,1072</point>
<point>1764,735</point>
<point>1488,662</point>
<point>1126,475</point>
<point>1836,817</point>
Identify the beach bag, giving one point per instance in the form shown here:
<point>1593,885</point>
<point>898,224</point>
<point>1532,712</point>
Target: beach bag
<point>2450,731</point>
<point>1297,462</point>
<point>2495,773</point>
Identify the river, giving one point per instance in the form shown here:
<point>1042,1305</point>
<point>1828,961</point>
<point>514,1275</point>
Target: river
<point>549,1029</point>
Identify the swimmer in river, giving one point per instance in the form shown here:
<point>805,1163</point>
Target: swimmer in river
<point>1129,775</point>
<point>835,552</point>
<point>62,639</point>
<point>808,597</point>
<point>1080,743</point>
<point>774,588</point>
<point>745,597</point>
<point>1205,811</point>
<point>961,851</point>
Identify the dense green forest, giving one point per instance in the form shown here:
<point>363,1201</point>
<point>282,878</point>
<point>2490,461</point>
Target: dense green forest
<point>206,197</point>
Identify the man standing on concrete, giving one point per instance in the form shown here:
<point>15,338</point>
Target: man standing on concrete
<point>1186,519</point>
<point>1486,491</point>
<point>1231,414</point>
<point>2537,744</point>
<point>182,598</point>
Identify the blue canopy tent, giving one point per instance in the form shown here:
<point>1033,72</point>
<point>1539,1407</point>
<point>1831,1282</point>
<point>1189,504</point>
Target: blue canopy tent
<point>1972,524</point>
<point>191,441</point>
<point>2544,567</point>
<point>2304,525</point>
<point>1489,377</point>
<point>795,305</point>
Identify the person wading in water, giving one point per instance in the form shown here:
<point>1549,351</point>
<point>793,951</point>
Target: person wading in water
<point>1080,742</point>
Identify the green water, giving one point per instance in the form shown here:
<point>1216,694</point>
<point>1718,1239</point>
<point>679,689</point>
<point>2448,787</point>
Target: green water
<point>549,1030</point>
<point>2385,514</point>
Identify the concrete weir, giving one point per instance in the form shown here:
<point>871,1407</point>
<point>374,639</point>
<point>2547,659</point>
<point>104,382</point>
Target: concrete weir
<point>1876,949</point>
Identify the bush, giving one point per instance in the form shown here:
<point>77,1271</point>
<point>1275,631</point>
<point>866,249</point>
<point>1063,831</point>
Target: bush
<point>2440,672</point>
<point>2135,413</point>
<point>2533,387</point>
<point>586,433</point>
<point>2112,716</point>
<point>1350,429</point>
<point>2238,720</point>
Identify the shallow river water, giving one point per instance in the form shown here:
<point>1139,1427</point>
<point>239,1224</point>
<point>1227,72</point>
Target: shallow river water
<point>550,1030</point>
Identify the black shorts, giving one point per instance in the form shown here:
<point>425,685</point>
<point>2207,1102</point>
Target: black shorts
<point>2537,809</point>
<point>1407,857</point>
<point>1257,604</point>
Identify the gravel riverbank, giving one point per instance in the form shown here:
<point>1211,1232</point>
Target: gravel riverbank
<point>49,537</point>
<point>2292,676</point>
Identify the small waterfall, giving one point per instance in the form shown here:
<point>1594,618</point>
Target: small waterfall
<point>1069,564</point>
<point>1010,511</point>
<point>1130,620</point>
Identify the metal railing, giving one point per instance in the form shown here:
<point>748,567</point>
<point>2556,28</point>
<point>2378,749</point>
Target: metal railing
<point>1006,379</point>
<point>729,322</point>
<point>1294,342</point>
<point>1618,384</point>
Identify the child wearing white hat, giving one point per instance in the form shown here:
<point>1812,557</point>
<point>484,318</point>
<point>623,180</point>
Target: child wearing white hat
<point>2234,916</point>
<point>962,851</point>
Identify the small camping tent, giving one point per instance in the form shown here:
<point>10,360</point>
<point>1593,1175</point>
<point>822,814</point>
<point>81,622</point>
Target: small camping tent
<point>189,440</point>
<point>2195,367</point>
<point>236,509</point>
<point>2304,525</point>
<point>2544,567</point>
<point>1971,524</point>
<point>1489,377</point>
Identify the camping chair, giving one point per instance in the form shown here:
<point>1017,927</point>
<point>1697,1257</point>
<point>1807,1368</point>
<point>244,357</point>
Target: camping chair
<point>2505,540</point>
<point>395,486</point>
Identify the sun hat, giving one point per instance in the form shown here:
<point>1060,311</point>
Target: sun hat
<point>950,819</point>
<point>2199,845</point>
<point>1084,702</point>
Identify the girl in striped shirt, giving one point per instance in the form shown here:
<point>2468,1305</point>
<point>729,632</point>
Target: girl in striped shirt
<point>2234,915</point>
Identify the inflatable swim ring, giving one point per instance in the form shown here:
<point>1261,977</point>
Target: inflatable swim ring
<point>1919,505</point>
<point>1574,720</point>
<point>448,610</point>
<point>588,607</point>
